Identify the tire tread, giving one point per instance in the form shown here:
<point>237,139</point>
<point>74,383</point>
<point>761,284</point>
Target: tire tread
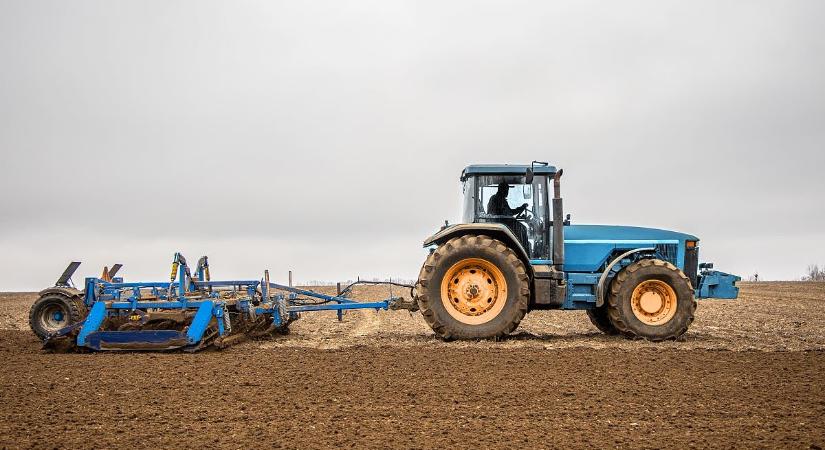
<point>440,328</point>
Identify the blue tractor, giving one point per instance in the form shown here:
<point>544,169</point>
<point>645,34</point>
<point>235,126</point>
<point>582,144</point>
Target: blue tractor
<point>483,275</point>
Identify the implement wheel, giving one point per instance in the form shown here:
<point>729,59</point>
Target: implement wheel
<point>473,287</point>
<point>54,311</point>
<point>651,299</point>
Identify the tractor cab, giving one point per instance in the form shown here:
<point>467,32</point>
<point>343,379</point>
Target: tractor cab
<point>515,196</point>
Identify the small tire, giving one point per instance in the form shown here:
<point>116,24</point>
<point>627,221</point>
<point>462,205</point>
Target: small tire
<point>651,299</point>
<point>599,318</point>
<point>52,312</point>
<point>473,287</point>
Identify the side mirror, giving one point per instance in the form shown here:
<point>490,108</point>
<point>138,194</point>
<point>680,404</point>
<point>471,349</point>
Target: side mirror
<point>529,174</point>
<point>527,191</point>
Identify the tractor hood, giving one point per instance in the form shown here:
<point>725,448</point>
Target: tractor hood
<point>582,233</point>
<point>588,247</point>
<point>621,233</point>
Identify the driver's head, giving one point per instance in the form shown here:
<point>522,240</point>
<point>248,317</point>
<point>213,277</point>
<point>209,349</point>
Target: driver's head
<point>503,188</point>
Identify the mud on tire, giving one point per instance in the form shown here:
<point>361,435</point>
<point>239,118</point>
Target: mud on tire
<point>620,301</point>
<point>487,251</point>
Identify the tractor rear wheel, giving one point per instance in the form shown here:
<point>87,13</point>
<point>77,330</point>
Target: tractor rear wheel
<point>53,311</point>
<point>473,287</point>
<point>651,299</point>
<point>600,319</point>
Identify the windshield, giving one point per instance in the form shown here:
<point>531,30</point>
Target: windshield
<point>506,199</point>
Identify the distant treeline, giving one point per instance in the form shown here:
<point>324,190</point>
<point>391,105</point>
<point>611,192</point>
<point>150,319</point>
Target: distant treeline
<point>814,273</point>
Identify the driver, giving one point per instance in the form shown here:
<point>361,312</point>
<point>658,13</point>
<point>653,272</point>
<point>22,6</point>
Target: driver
<point>498,205</point>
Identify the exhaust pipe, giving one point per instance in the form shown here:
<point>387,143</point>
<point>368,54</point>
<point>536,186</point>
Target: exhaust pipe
<point>558,224</point>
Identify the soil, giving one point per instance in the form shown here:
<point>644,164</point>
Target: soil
<point>749,373</point>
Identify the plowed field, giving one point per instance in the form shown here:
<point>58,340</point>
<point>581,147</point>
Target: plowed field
<point>749,373</point>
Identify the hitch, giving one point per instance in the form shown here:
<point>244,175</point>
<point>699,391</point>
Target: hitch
<point>399,303</point>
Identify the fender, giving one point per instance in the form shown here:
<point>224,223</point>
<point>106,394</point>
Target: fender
<point>603,279</point>
<point>67,291</point>
<point>494,230</point>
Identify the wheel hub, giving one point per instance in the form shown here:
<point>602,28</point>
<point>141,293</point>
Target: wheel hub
<point>473,291</point>
<point>653,302</point>
<point>53,318</point>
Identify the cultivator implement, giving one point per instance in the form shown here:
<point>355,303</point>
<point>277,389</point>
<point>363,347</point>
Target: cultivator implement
<point>188,312</point>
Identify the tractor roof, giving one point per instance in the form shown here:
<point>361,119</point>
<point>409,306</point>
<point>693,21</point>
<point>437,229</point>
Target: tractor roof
<point>505,169</point>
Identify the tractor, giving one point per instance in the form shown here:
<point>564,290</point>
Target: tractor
<point>483,275</point>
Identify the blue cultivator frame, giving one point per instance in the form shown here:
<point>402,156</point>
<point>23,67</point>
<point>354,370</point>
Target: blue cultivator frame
<point>192,312</point>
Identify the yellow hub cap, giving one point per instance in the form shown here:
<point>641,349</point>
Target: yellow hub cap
<point>473,291</point>
<point>653,302</point>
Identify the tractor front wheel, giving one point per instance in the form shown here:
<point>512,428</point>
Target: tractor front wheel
<point>473,287</point>
<point>651,299</point>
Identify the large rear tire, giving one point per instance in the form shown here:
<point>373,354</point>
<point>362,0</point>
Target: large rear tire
<point>53,311</point>
<point>473,287</point>
<point>599,318</point>
<point>651,299</point>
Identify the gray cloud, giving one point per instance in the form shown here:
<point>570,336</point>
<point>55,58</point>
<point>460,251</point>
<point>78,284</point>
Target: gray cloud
<point>328,136</point>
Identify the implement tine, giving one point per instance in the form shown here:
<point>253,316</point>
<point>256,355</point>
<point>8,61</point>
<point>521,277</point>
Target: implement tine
<point>105,275</point>
<point>114,270</point>
<point>67,274</point>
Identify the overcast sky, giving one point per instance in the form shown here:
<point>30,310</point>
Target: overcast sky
<point>328,137</point>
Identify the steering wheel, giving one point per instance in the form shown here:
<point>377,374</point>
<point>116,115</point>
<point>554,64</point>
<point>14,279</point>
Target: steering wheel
<point>523,215</point>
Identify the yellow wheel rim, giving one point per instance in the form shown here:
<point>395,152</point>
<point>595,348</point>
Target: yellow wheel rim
<point>654,302</point>
<point>473,291</point>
